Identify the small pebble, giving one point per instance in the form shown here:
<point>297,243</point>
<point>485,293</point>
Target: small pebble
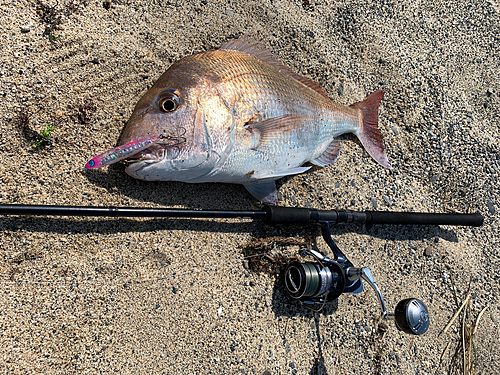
<point>446,277</point>
<point>429,251</point>
<point>387,200</point>
<point>26,28</point>
<point>491,207</point>
<point>374,203</point>
<point>392,355</point>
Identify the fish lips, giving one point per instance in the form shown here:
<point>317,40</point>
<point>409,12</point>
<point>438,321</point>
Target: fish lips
<point>172,164</point>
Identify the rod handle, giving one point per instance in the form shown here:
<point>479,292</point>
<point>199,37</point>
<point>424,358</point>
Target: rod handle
<point>289,215</point>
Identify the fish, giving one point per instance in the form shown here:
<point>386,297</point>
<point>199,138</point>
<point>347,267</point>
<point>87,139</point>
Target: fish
<point>238,115</point>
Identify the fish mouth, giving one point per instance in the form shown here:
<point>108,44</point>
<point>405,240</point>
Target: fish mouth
<point>167,145</point>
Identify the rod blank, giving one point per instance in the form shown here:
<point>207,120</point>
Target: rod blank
<point>40,210</point>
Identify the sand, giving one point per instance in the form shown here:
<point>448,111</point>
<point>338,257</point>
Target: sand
<point>88,295</point>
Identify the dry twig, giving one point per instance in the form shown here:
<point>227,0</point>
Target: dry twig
<point>465,357</point>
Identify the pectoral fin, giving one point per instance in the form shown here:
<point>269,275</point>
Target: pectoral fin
<point>271,132</point>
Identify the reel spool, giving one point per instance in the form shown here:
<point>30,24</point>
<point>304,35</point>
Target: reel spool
<point>313,282</point>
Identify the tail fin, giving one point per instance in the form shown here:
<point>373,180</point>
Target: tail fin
<point>369,134</point>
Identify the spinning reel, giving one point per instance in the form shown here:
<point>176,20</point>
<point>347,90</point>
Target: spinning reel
<point>317,283</point>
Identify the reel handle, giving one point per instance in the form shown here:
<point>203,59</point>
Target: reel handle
<point>411,314</point>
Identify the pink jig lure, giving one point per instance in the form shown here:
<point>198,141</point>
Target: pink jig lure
<point>121,152</point>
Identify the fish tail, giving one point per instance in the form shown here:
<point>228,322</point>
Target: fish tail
<point>369,133</point>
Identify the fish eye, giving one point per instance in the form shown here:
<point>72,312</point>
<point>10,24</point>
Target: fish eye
<point>169,101</point>
<point>168,105</point>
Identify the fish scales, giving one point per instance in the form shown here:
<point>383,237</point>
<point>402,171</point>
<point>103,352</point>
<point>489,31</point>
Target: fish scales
<point>267,93</point>
<point>238,115</point>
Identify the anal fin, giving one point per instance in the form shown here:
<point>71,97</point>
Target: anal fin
<point>329,156</point>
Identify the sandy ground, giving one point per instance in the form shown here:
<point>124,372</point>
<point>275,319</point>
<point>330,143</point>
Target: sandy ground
<point>86,296</point>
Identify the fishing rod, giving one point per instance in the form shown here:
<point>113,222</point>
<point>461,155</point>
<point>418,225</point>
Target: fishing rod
<point>313,283</point>
<point>269,214</point>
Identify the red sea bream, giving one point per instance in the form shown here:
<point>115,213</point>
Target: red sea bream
<point>238,115</point>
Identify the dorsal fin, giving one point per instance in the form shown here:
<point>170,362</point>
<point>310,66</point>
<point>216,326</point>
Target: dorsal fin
<point>248,44</point>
